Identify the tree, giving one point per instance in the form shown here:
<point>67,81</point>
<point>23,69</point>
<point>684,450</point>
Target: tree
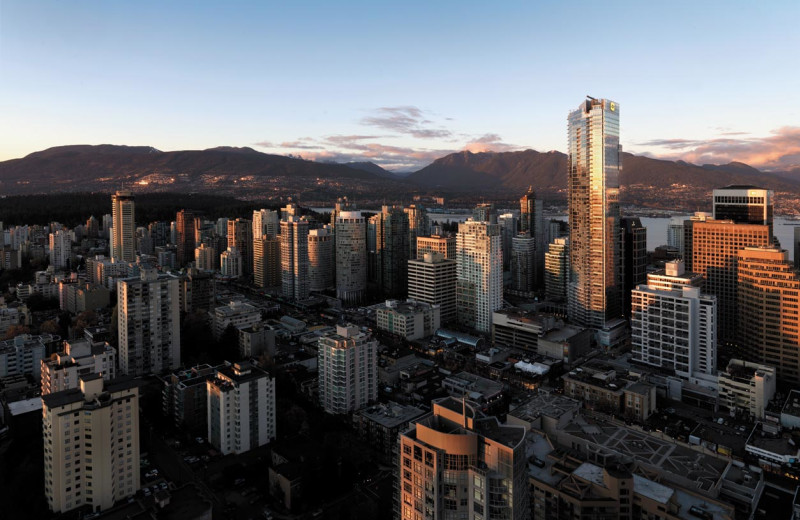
<point>16,330</point>
<point>50,327</point>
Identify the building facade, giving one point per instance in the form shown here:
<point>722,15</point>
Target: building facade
<point>351,257</point>
<point>123,231</point>
<point>81,357</point>
<point>240,236</point>
<point>479,274</point>
<point>320,259</point>
<point>348,369</point>
<point>267,261</point>
<point>432,279</point>
<point>295,283</point>
<point>556,270</point>
<point>185,227</point>
<point>747,388</point>
<point>444,245</point>
<point>410,319</point>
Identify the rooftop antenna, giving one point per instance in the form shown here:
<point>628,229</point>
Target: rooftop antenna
<point>590,97</point>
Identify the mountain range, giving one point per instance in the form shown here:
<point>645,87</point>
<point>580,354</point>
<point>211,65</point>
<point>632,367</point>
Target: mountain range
<point>236,170</point>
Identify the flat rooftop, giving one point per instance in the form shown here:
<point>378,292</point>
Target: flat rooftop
<point>792,406</point>
<point>544,403</point>
<point>391,414</point>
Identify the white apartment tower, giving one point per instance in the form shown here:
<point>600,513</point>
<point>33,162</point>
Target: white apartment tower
<point>294,258</point>
<point>351,256</point>
<point>674,325</point>
<point>148,310</point>
<point>241,408</point>
<point>348,369</point>
<point>265,222</point>
<point>60,248</point>
<point>91,444</point>
<point>81,357</point>
<point>479,273</point>
<point>123,230</point>
<point>231,263</point>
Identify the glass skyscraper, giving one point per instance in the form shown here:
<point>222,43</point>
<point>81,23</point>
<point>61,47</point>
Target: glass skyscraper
<point>594,168</point>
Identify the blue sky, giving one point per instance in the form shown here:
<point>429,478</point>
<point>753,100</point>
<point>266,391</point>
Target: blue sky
<point>400,83</point>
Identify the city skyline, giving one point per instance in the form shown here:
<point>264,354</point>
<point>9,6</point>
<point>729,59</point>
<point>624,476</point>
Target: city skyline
<point>308,85</point>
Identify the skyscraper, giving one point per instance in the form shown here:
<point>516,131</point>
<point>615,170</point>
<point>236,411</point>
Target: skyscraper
<point>348,369</point>
<point>531,220</point>
<point>523,260</point>
<point>556,270</point>
<point>265,222</point>
<point>445,245</point>
<point>267,261</point>
<point>593,169</point>
<point>768,322</point>
<point>148,310</point>
<point>432,279</point>
<point>123,230</point>
<point>185,229</point>
<point>479,278</point>
<point>633,258</point>
<point>60,248</point>
<point>418,225</point>
<point>743,204</point>
<point>351,256</point>
<point>294,258</point>
<point>320,259</point>
<point>240,236</point>
<point>231,264</point>
<point>391,250</point>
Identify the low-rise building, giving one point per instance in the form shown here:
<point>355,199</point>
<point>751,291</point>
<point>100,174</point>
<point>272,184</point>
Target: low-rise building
<point>521,329</point>
<point>410,319</point>
<point>545,411</point>
<point>379,425</point>
<point>184,397</point>
<point>256,340</point>
<point>601,388</point>
<point>567,343</point>
<point>241,408</point>
<point>746,387</point>
<point>237,313</point>
<point>485,393</point>
<point>81,357</point>
<point>790,413</point>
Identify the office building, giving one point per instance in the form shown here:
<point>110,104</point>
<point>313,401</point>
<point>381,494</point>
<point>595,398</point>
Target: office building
<point>205,258</point>
<point>531,221</point>
<point>523,263</point>
<point>458,463</point>
<point>410,319</point>
<point>60,249</point>
<point>556,270</point>
<point>673,325</point>
<point>675,236</point>
<point>479,274</point>
<point>240,236</point>
<point>351,257</point>
<point>432,280</point>
<point>508,230</point>
<point>123,231</point>
<point>320,259</point>
<point>185,227</point>
<point>747,388</point>
<point>295,283</point>
<point>148,312</point>
<point>744,205</point>
<point>348,369</point>
<point>237,314</point>
<point>768,322</point>
<point>267,261</point>
<point>241,408</point>
<point>91,444</point>
<point>231,263</point>
<point>715,246</point>
<point>633,258</point>
<point>81,357</point>
<point>419,225</point>
<point>444,245</point>
<point>593,169</point>
<point>391,250</point>
<point>265,222</point>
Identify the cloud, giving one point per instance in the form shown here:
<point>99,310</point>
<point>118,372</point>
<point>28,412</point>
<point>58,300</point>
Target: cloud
<point>778,151</point>
<point>407,120</point>
<point>489,143</point>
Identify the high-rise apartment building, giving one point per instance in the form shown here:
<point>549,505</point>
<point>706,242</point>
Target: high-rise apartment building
<point>479,274</point>
<point>123,231</point>
<point>432,279</point>
<point>351,256</point>
<point>675,236</point>
<point>484,212</point>
<point>633,258</point>
<point>673,325</point>
<point>531,221</point>
<point>267,261</point>
<point>523,263</point>
<point>60,248</point>
<point>320,259</point>
<point>458,463</point>
<point>743,204</point>
<point>419,225</point>
<point>715,248</point>
<point>185,227</point>
<point>265,222</point>
<point>240,236</point>
<point>241,408</point>
<point>348,369</point>
<point>231,263</point>
<point>556,270</point>
<point>81,357</point>
<point>91,444</point>
<point>205,258</point>
<point>294,258</point>
<point>391,249</point>
<point>594,165</point>
<point>444,245</point>
<point>148,312</point>
<point>768,324</point>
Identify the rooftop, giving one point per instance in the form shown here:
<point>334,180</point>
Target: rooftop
<point>792,406</point>
<point>391,414</point>
<point>544,403</point>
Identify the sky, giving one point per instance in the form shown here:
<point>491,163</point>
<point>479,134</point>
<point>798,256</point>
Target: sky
<point>401,83</point>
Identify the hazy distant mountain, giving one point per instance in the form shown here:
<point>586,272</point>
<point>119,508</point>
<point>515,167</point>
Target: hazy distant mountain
<point>547,172</point>
<point>371,167</point>
<point>85,167</point>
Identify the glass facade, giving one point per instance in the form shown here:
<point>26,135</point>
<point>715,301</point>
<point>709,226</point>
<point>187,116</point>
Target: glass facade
<point>593,190</point>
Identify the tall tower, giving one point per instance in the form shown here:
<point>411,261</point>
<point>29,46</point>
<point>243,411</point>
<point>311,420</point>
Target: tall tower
<point>320,258</point>
<point>556,274</point>
<point>348,375</point>
<point>123,230</point>
<point>240,236</point>
<point>479,274</point>
<point>185,227</point>
<point>294,258</point>
<point>351,256</point>
<point>633,258</point>
<point>267,261</point>
<point>265,222</point>
<point>391,248</point>
<point>419,225</point>
<point>531,220</point>
<point>593,170</point>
